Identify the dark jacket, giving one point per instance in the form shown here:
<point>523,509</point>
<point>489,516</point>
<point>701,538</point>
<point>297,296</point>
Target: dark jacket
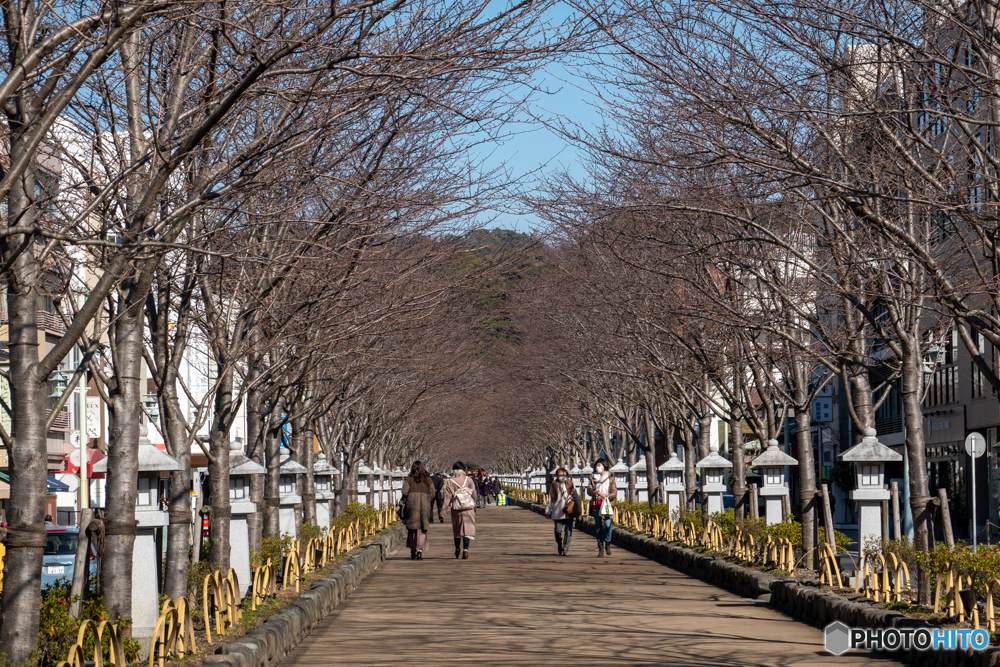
<point>418,503</point>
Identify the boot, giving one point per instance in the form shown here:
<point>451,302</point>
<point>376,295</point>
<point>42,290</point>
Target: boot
<point>607,548</point>
<point>420,555</point>
<point>465,548</point>
<point>559,545</point>
<point>458,547</point>
<point>413,554</point>
<point>600,550</point>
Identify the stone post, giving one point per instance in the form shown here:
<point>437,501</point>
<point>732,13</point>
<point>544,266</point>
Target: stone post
<point>713,478</point>
<point>772,464</point>
<point>869,458</point>
<point>673,470</point>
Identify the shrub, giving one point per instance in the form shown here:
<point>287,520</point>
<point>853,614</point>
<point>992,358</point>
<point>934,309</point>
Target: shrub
<point>309,532</point>
<point>842,541</point>
<point>274,548</point>
<point>57,630</point>
<point>357,512</point>
<point>694,517</point>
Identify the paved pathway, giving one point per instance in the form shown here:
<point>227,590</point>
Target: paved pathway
<point>514,603</point>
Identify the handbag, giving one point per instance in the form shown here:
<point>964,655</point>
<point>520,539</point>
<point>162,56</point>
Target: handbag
<point>401,508</point>
<point>462,500</point>
<point>574,508</point>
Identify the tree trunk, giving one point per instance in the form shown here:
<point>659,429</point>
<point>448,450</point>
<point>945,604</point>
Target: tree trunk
<point>630,461</point>
<point>308,480</point>
<point>123,458</point>
<point>807,467</point>
<point>272,454</point>
<point>299,455</point>
<point>912,394</point>
<point>652,480</point>
<point>219,549</point>
<point>690,457</point>
<point>704,447</point>
<point>255,452</point>
<point>28,468</point>
<point>179,532</point>
<point>738,484</point>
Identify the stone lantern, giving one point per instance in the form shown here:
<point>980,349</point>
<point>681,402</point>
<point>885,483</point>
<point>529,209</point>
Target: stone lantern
<point>536,479</point>
<point>381,491</point>
<point>673,471</point>
<point>869,458</point>
<point>641,480</point>
<point>398,475</point>
<point>772,469</point>
<point>241,469</point>
<point>576,474</point>
<point>150,515</point>
<point>289,499</point>
<point>713,478</point>
<point>366,484</point>
<point>620,471</point>
<point>323,474</point>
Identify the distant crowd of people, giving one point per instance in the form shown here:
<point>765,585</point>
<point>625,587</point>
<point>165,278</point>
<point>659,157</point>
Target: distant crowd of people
<point>462,492</point>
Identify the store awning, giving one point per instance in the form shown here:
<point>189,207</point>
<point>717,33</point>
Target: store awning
<point>55,486</point>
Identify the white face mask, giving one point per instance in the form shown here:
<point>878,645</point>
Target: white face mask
<point>562,478</point>
<point>599,469</point>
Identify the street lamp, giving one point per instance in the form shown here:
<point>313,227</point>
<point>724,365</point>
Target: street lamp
<point>152,406</point>
<point>60,385</point>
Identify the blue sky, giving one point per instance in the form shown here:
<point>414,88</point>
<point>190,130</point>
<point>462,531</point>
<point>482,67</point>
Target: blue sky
<point>533,150</point>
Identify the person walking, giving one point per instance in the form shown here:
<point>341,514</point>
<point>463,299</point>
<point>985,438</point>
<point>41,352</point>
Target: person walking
<point>419,493</point>
<point>460,497</point>
<point>438,481</point>
<point>480,490</point>
<point>497,488</point>
<point>603,490</point>
<point>562,496</point>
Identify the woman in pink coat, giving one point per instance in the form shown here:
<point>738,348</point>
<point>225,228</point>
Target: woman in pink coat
<point>460,497</point>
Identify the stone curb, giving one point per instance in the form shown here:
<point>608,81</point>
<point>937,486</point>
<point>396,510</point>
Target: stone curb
<point>803,603</point>
<point>270,642</point>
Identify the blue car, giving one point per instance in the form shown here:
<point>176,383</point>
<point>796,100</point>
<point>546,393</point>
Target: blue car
<point>60,555</point>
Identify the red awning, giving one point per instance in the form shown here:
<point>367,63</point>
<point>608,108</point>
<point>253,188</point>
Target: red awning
<point>95,455</point>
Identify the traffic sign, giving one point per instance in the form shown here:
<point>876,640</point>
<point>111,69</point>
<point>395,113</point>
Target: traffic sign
<point>975,445</point>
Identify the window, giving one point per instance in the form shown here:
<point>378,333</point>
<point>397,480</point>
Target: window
<point>772,477</point>
<point>869,475</point>
<point>714,476</point>
<point>942,385</point>
<point>980,385</point>
<point>322,483</point>
<point>145,495</point>
<point>237,488</point>
<point>61,544</point>
<point>286,484</point>
<point>673,477</point>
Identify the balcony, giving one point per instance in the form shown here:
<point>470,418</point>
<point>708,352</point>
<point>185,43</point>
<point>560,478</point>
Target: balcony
<point>47,322</point>
<point>889,425</point>
<point>61,423</point>
<point>51,323</point>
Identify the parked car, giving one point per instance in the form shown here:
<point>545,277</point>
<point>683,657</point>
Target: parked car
<point>60,555</point>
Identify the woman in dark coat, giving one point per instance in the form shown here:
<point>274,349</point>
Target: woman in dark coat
<point>419,492</point>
